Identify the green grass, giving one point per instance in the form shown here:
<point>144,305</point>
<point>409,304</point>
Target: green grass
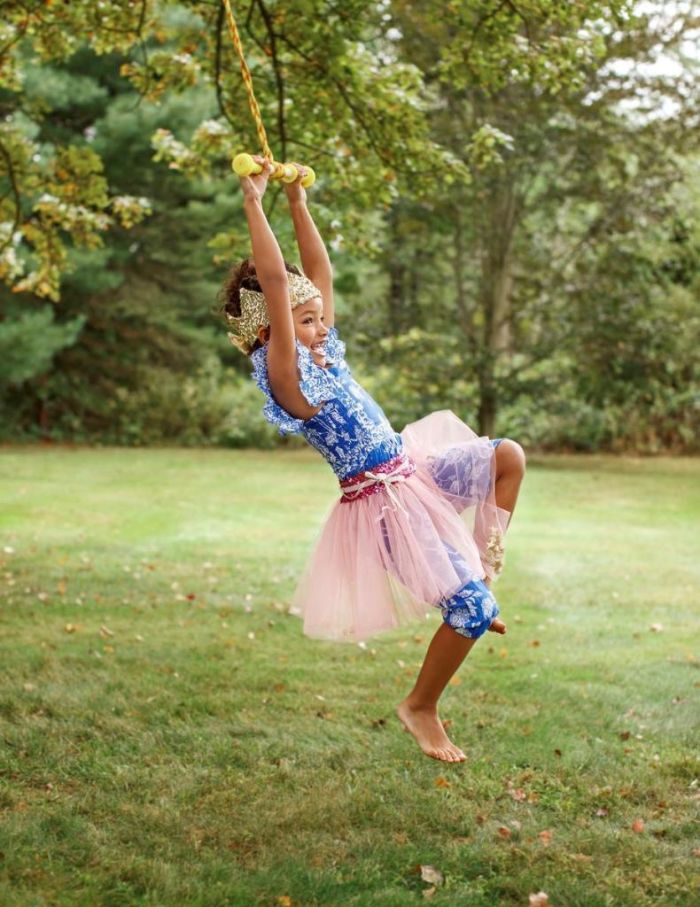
<point>170,737</point>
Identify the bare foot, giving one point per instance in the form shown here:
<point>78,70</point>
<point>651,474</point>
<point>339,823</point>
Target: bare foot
<point>426,727</point>
<point>497,626</point>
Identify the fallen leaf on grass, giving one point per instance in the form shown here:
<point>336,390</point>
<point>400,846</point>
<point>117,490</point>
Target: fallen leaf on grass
<point>518,794</point>
<point>504,832</point>
<point>429,892</point>
<point>545,837</point>
<point>581,857</point>
<point>638,825</point>
<point>540,899</point>
<point>105,632</point>
<point>656,628</point>
<point>400,837</point>
<point>455,681</point>
<point>284,900</point>
<point>441,781</point>
<point>696,852</point>
<point>432,875</point>
<point>70,628</point>
<point>534,643</point>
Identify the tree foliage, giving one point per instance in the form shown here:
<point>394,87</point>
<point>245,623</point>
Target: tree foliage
<point>509,190</point>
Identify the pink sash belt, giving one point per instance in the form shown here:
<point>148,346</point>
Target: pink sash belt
<point>370,481</point>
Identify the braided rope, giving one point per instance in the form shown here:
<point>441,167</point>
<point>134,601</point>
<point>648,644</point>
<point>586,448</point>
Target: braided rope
<point>248,80</point>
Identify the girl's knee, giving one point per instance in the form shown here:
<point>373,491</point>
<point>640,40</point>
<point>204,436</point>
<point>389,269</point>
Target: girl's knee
<point>511,456</point>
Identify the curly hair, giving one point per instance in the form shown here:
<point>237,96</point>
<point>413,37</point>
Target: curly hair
<point>243,275</point>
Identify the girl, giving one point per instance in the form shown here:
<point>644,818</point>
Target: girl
<point>422,514</point>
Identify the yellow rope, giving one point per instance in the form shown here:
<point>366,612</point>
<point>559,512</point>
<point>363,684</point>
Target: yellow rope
<point>248,80</point>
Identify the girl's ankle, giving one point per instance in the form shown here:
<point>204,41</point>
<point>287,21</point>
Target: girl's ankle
<point>416,705</point>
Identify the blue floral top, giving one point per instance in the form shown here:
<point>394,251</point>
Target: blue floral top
<point>350,430</point>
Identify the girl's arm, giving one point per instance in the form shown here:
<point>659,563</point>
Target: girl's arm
<point>269,265</point>
<point>314,257</point>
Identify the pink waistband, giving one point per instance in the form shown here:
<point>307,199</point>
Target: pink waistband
<point>373,480</point>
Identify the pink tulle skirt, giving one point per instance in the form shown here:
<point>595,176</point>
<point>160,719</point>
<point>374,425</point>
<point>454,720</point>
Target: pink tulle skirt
<point>385,557</point>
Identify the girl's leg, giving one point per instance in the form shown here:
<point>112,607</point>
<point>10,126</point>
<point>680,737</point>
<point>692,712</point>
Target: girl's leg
<point>448,649</point>
<point>418,711</point>
<point>510,469</point>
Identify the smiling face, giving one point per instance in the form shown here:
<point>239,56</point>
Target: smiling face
<point>310,329</point>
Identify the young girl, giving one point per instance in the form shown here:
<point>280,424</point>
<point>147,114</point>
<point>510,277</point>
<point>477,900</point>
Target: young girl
<point>422,514</point>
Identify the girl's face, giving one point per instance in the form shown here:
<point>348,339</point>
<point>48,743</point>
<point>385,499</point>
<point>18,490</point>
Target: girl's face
<point>310,329</point>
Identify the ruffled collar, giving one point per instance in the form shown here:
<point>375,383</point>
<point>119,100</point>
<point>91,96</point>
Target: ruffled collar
<point>317,383</point>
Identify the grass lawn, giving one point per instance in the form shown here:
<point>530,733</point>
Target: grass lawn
<point>169,736</point>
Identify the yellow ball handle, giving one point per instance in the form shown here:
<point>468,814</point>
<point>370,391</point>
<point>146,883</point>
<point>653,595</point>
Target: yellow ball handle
<point>244,165</point>
<point>310,177</point>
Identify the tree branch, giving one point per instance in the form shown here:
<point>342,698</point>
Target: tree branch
<point>217,67</point>
<point>279,79</point>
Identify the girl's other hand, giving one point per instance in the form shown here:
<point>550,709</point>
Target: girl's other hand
<point>295,191</point>
<point>254,186</point>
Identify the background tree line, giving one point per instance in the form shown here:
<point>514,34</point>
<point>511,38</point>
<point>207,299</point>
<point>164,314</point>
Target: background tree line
<point>510,192</point>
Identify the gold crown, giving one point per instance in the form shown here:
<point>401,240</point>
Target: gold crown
<point>254,314</point>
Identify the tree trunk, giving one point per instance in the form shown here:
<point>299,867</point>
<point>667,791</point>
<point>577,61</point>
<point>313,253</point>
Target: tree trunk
<point>495,294</point>
<point>397,275</point>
